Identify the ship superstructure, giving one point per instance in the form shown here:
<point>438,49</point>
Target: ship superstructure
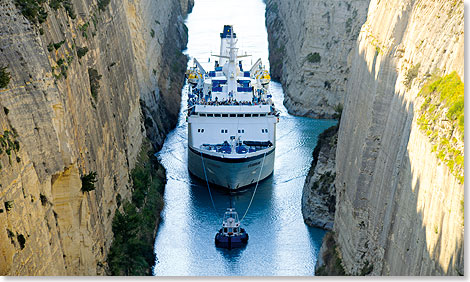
<point>231,119</point>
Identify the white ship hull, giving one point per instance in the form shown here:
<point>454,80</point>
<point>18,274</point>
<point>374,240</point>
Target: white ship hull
<point>231,119</point>
<point>232,173</point>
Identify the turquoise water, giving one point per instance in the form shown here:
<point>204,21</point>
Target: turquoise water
<point>280,243</point>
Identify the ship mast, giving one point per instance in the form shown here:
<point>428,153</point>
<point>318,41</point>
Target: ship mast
<point>231,69</point>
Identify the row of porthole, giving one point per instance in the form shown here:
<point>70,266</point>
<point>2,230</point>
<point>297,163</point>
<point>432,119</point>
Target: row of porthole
<point>201,130</point>
<point>232,115</point>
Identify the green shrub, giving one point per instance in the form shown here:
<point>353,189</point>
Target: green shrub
<point>88,182</point>
<point>152,33</point>
<point>81,51</point>
<point>314,57</point>
<point>63,70</point>
<point>338,111</point>
<point>8,205</point>
<point>32,10</point>
<point>21,240</point>
<point>84,28</point>
<point>55,4</point>
<point>411,74</point>
<point>68,6</point>
<point>102,4</point>
<point>94,82</point>
<point>58,44</point>
<point>4,78</point>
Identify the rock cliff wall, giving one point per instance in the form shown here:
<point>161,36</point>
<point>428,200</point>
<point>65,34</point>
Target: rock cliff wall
<point>399,207</point>
<point>83,84</point>
<point>309,49</point>
<point>319,192</point>
<point>399,200</point>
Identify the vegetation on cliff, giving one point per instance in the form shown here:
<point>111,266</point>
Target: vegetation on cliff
<point>332,265</point>
<point>134,226</point>
<point>314,58</point>
<point>9,144</point>
<point>442,119</point>
<point>94,77</point>
<point>88,182</point>
<point>4,77</point>
<point>32,10</point>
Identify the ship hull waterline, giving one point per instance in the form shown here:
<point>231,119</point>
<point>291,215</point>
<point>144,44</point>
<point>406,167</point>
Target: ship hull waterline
<point>230,173</point>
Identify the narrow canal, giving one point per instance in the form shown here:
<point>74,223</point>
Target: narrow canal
<point>280,243</point>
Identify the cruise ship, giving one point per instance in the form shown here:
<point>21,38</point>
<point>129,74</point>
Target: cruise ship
<point>231,119</point>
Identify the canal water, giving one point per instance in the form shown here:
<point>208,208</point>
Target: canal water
<point>280,243</point>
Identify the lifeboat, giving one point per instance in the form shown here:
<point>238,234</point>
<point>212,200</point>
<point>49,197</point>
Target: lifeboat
<point>231,235</point>
<point>194,76</point>
<point>263,76</point>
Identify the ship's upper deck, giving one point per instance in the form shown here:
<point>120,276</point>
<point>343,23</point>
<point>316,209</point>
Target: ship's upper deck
<point>233,109</point>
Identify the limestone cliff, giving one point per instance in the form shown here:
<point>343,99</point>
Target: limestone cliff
<point>399,182</point>
<point>310,43</point>
<point>399,207</point>
<point>319,192</point>
<point>84,81</point>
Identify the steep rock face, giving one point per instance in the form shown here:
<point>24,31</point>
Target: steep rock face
<point>71,116</point>
<point>319,192</point>
<point>399,208</point>
<point>309,51</point>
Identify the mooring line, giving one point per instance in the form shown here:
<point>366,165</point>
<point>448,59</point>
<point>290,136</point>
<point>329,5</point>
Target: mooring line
<point>207,181</point>
<point>256,187</point>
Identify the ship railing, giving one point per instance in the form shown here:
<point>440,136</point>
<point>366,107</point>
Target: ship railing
<point>230,103</point>
<point>241,147</point>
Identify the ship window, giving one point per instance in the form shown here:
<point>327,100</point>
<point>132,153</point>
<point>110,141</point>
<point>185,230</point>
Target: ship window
<point>226,131</point>
<point>266,130</point>
<point>225,230</point>
<point>255,115</point>
<point>247,115</point>
<point>241,131</point>
<point>239,115</point>
<point>210,115</point>
<point>224,115</point>
<point>217,115</point>
<point>223,131</point>
<point>233,115</point>
<point>198,130</point>
<point>202,130</point>
<point>202,115</point>
<point>262,115</point>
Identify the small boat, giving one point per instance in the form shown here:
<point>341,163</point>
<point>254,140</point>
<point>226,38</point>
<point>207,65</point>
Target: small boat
<point>231,235</point>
